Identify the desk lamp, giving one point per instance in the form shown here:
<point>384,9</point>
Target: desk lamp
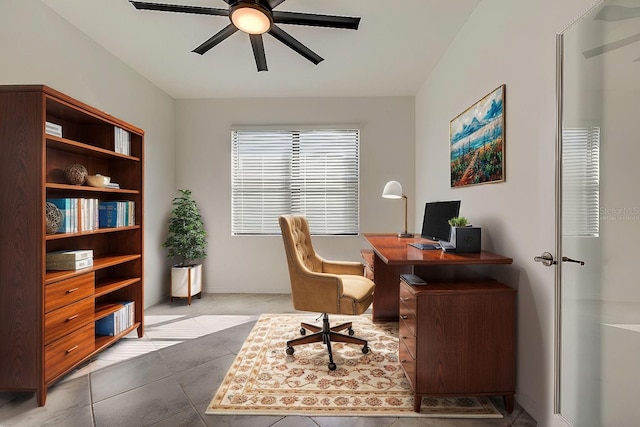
<point>393,190</point>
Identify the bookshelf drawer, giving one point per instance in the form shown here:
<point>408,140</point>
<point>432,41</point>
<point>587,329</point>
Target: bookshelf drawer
<point>63,354</point>
<point>60,322</point>
<point>68,291</point>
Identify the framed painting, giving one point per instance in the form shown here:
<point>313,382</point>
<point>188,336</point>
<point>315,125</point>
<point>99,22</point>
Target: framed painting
<point>476,142</point>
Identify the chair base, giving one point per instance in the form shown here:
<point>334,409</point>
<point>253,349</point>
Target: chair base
<point>326,335</point>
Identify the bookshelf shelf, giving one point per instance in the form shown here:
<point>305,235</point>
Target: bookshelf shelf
<point>64,144</point>
<point>34,298</point>
<point>98,263</point>
<point>69,187</point>
<point>89,233</point>
<point>111,285</point>
<point>103,341</point>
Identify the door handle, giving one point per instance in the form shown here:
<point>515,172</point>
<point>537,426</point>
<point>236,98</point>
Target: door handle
<point>546,259</point>
<point>567,259</point>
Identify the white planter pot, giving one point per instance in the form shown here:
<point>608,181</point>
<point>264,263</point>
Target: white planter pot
<point>186,281</point>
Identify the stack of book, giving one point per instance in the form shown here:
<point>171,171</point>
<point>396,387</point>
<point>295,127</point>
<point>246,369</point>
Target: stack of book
<point>69,260</point>
<point>122,140</point>
<point>118,322</point>
<point>53,129</point>
<point>78,215</point>
<point>116,214</point>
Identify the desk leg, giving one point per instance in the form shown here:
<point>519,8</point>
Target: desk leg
<point>386,297</point>
<point>508,402</point>
<point>417,402</point>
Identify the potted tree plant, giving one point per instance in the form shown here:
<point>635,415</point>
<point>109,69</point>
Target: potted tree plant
<point>186,240</point>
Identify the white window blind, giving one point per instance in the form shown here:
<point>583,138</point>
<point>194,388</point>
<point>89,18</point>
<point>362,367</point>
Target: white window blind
<point>581,182</point>
<point>309,172</point>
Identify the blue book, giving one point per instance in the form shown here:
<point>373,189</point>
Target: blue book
<point>108,214</point>
<point>106,326</point>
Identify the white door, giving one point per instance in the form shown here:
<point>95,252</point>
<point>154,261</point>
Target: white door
<point>598,311</point>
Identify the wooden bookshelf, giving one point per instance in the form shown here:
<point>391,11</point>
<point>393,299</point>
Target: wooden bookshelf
<point>48,317</point>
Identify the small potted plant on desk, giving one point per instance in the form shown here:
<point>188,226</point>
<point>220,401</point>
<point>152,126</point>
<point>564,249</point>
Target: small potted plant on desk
<point>455,222</point>
<point>186,240</point>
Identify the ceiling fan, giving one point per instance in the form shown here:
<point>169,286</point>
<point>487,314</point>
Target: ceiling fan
<point>256,17</point>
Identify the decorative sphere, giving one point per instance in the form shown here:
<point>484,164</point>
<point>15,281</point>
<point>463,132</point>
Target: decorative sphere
<point>53,217</point>
<point>76,174</point>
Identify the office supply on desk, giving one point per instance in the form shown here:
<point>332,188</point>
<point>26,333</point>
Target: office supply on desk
<point>447,246</point>
<point>425,246</point>
<point>435,224</point>
<point>393,190</point>
<point>466,239</point>
<point>412,279</point>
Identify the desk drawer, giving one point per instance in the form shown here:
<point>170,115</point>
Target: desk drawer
<point>67,291</point>
<point>67,319</point>
<point>408,338</point>
<point>407,299</point>
<point>60,355</point>
<point>408,364</point>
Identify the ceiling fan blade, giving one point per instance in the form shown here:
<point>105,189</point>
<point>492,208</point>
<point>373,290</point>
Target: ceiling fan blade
<point>294,44</point>
<point>258,51</point>
<point>215,39</point>
<point>274,3</point>
<point>314,20</point>
<point>162,7</point>
<point>617,13</point>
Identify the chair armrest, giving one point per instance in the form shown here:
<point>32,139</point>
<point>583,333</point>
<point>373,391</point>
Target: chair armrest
<point>312,291</point>
<point>342,267</point>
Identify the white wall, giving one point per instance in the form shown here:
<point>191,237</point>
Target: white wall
<point>39,47</point>
<point>258,264</point>
<point>513,43</point>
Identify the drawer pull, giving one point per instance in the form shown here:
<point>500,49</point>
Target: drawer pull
<point>70,318</point>
<point>404,299</point>
<point>75,347</point>
<point>403,361</point>
<point>69,291</point>
<point>404,316</point>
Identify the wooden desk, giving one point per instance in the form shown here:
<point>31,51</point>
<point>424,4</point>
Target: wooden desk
<point>393,256</point>
<point>457,333</point>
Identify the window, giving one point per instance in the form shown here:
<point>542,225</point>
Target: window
<point>309,172</point>
<point>581,182</point>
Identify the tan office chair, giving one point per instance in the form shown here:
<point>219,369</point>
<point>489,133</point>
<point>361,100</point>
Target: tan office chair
<point>323,286</point>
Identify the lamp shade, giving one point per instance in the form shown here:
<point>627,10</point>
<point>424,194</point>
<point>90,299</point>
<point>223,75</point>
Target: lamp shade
<point>393,190</point>
<point>251,18</point>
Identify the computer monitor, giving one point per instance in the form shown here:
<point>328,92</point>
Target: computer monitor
<point>435,225</point>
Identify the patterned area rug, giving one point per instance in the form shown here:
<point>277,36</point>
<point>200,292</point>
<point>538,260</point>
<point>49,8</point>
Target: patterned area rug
<point>264,380</point>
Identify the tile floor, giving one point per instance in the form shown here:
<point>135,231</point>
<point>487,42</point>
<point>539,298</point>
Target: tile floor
<point>168,377</point>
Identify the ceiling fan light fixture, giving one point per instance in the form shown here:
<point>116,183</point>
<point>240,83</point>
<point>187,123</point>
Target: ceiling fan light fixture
<point>250,18</point>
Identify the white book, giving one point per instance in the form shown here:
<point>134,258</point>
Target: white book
<point>70,265</point>
<point>53,129</point>
<point>72,255</point>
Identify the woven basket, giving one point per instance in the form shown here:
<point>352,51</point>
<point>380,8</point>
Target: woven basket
<point>75,174</point>
<point>53,218</point>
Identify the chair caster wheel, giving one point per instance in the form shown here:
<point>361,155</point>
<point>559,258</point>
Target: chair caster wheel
<point>303,331</point>
<point>332,366</point>
<point>350,330</point>
<point>365,349</point>
<point>289,351</point>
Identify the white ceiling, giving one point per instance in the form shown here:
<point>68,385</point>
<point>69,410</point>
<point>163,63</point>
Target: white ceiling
<point>391,54</point>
